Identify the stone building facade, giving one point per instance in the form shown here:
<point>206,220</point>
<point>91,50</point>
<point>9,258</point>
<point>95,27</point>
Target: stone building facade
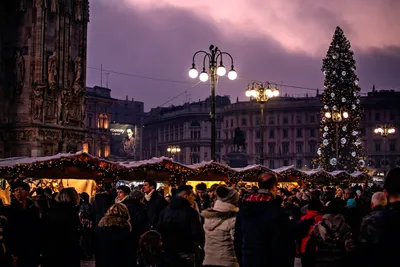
<point>292,129</point>
<point>291,133</point>
<point>98,120</point>
<point>187,126</point>
<point>42,76</point>
<point>128,111</point>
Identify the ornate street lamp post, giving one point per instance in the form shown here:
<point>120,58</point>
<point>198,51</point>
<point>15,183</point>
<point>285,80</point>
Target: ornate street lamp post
<point>337,117</point>
<point>214,69</point>
<point>262,92</point>
<point>172,150</point>
<point>384,130</point>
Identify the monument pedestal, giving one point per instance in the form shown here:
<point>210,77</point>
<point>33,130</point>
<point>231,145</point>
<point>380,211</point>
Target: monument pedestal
<point>237,159</point>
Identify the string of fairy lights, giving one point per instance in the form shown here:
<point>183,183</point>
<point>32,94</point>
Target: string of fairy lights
<point>177,173</point>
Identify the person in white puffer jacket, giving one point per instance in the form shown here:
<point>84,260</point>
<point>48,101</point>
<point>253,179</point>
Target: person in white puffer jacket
<point>219,228</point>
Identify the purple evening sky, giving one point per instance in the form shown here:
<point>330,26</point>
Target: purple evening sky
<point>282,41</point>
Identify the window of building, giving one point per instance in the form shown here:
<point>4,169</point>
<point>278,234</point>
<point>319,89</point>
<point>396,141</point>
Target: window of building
<point>312,118</point>
<point>299,163</point>
<point>257,120</point>
<point>298,119</point>
<point>377,116</point>
<point>392,146</point>
<point>271,120</point>
<point>231,122</point>
<point>312,132</point>
<point>205,154</point>
<point>285,133</point>
<point>377,147</point>
<point>102,122</point>
<point>258,148</point>
<point>312,148</point>
<point>392,116</point>
<point>285,120</point>
<point>258,134</point>
<point>244,121</point>
<point>285,147</point>
<point>271,148</point>
<point>299,133</point>
<point>271,133</point>
<point>271,164</point>
<point>285,162</point>
<point>299,147</point>
<point>226,123</point>
<point>90,122</point>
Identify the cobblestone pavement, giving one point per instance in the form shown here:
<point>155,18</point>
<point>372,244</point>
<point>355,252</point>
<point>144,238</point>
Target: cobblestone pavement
<point>91,263</point>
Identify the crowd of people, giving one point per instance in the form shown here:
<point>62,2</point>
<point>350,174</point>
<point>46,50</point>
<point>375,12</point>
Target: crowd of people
<point>218,226</point>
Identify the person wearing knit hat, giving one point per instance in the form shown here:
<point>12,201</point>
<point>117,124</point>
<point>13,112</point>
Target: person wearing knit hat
<point>219,225</point>
<point>227,195</point>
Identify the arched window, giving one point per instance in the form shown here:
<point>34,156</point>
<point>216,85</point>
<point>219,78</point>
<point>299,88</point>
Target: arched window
<point>100,123</point>
<point>105,121</point>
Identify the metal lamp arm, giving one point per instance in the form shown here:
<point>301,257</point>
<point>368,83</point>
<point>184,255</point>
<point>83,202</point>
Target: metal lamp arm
<point>195,54</point>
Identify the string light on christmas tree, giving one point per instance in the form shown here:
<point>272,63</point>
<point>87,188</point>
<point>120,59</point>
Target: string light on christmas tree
<point>341,146</point>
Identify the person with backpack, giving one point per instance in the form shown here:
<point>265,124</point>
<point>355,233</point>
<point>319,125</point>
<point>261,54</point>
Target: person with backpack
<point>306,225</point>
<point>331,242</point>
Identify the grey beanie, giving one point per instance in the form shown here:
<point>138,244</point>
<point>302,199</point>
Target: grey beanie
<point>136,195</point>
<point>228,195</point>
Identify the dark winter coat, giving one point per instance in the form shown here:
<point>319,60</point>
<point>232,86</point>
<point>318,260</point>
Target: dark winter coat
<point>139,221</point>
<point>102,202</point>
<point>63,230</point>
<point>179,226</point>
<point>379,238</point>
<point>114,246</point>
<point>331,243</point>
<point>24,227</point>
<point>155,206</point>
<point>262,232</point>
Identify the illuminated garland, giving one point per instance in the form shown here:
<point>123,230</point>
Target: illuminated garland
<point>177,172</point>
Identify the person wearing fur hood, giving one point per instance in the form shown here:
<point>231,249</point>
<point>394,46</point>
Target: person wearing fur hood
<point>219,228</point>
<point>115,246</point>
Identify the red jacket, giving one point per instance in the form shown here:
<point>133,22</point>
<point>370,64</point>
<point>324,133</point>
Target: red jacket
<point>309,215</point>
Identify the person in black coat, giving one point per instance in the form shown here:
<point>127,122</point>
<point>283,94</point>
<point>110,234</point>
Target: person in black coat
<point>379,235</point>
<point>262,231</point>
<point>180,228</point>
<point>114,243</point>
<point>24,227</point>
<point>138,213</point>
<point>154,202</point>
<point>102,202</point>
<point>63,231</point>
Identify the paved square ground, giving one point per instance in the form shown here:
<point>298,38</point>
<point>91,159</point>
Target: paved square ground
<point>91,263</point>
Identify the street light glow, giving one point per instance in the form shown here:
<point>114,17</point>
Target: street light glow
<point>221,71</point>
<point>232,75</point>
<point>275,93</point>
<point>203,76</point>
<point>248,93</point>
<point>193,73</point>
<point>345,115</point>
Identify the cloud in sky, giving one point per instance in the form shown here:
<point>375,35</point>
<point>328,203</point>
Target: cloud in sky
<point>278,40</point>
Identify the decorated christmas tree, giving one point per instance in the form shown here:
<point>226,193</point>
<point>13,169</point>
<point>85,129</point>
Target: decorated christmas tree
<point>341,145</point>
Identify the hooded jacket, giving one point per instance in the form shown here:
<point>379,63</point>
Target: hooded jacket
<point>219,228</point>
<point>331,242</point>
